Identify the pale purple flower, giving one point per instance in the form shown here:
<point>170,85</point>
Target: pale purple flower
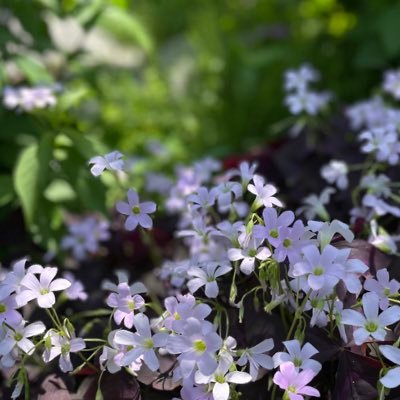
<point>225,193</point>
<point>292,241</point>
<point>379,185</point>
<point>205,167</point>
<point>379,206</point>
<point>29,98</point>
<point>207,276</point>
<point>125,304</point>
<point>371,113</point>
<point>41,289</point>
<point>137,212</point>
<point>272,225</point>
<point>19,337</point>
<point>381,239</point>
<point>307,101</point>
<point>295,383</point>
<point>391,83</point>
<point>315,205</point>
<point>298,79</point>
<point>299,355</point>
<point>221,378</point>
<point>382,141</point>
<point>229,230</point>
<point>76,291</point>
<point>371,324</point>
<point>182,307</point>
<point>196,345</point>
<point>202,199</point>
<point>62,345</point>
<point>8,312</point>
<point>327,230</point>
<point>264,192</point>
<point>197,392</point>
<point>142,341</point>
<point>336,173</point>
<point>256,357</point>
<point>320,268</point>
<point>111,357</point>
<point>383,287</point>
<point>110,161</point>
<point>84,236</point>
<point>392,378</point>
<point>245,172</point>
<point>157,183</point>
<point>249,252</point>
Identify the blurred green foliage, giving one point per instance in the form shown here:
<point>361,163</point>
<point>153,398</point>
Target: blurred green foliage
<point>202,77</point>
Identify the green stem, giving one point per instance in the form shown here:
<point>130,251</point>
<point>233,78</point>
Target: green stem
<point>297,314</point>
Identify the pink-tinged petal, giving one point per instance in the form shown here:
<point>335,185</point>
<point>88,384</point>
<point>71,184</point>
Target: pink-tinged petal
<point>281,380</point>
<point>309,391</point>
<point>151,360</point>
<point>360,336</point>
<point>25,297</point>
<point>303,378</point>
<point>59,284</point>
<point>124,337</point>
<point>294,396</point>
<point>128,320</point>
<point>36,328</point>
<point>47,276</point>
<point>195,284</point>
<point>211,289</point>
<point>391,378</point>
<point>289,370</point>
<point>390,316</point>
<point>145,221</point>
<point>391,353</point>
<point>47,300</point>
<point>131,222</point>
<point>370,303</point>
<point>148,207</point>
<point>220,391</point>
<point>133,198</point>
<point>281,357</point>
<point>31,282</point>
<point>123,208</point>
<point>119,316</point>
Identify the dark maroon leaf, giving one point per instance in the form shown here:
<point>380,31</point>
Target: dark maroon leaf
<point>54,387</point>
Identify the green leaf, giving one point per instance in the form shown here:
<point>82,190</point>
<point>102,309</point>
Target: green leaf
<point>126,27</point>
<point>33,70</point>
<point>30,176</point>
<point>6,189</point>
<point>389,30</point>
<point>59,191</point>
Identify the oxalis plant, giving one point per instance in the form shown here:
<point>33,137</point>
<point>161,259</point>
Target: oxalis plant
<point>241,261</point>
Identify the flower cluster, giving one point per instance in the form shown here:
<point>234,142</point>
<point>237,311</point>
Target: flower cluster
<point>29,98</point>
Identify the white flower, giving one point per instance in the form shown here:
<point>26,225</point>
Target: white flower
<point>264,192</point>
<point>391,83</point>
<point>298,355</point>
<point>111,161</point>
<point>62,345</point>
<point>207,277</point>
<point>336,172</point>
<point>257,358</point>
<point>392,377</point>
<point>41,289</point>
<point>221,379</point>
<point>372,324</point>
<point>19,337</point>
<point>315,205</point>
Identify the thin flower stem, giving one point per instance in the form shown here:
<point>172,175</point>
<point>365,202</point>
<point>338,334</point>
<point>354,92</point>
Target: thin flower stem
<point>297,314</point>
